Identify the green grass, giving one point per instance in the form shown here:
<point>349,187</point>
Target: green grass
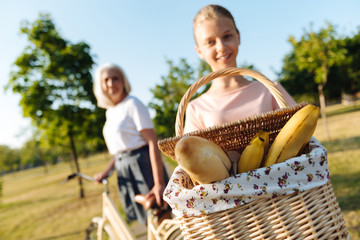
<point>35,206</point>
<point>344,160</point>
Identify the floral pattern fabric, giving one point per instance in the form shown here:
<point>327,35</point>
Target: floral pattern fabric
<point>295,175</point>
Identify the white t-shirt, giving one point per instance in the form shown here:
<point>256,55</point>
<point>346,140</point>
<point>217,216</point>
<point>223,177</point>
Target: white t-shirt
<point>124,123</point>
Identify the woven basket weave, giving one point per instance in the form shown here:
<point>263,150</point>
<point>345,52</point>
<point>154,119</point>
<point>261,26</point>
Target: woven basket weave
<point>313,214</point>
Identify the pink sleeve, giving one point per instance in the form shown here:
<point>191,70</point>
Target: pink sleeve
<point>192,120</point>
<point>286,95</point>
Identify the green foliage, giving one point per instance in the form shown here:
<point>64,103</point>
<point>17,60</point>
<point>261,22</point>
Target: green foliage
<point>9,159</point>
<point>32,154</point>
<point>54,80</point>
<point>351,67</point>
<point>318,52</point>
<point>299,83</point>
<point>322,58</point>
<point>167,96</point>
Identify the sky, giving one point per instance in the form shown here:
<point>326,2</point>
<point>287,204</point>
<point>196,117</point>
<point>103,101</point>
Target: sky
<point>141,35</point>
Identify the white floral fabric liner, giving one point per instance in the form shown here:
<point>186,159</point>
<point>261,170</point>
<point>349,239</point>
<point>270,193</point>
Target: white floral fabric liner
<point>292,176</point>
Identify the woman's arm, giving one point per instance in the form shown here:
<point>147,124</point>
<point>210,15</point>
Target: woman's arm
<point>156,165</point>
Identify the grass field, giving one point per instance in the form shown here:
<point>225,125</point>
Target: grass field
<point>36,206</point>
<point>344,160</point>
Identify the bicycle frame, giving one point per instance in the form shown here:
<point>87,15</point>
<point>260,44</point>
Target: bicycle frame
<point>112,221</point>
<point>116,227</point>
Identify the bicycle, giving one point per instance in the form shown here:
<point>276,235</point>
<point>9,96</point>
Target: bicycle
<point>111,225</point>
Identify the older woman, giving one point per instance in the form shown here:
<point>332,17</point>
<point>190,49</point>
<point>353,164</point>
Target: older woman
<point>131,140</point>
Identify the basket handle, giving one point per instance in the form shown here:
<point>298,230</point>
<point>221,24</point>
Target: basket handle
<point>179,124</point>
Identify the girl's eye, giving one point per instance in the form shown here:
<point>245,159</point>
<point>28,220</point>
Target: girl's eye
<point>210,42</point>
<point>227,36</point>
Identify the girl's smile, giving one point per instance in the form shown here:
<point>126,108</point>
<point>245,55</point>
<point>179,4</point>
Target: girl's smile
<point>224,58</point>
<point>217,42</point>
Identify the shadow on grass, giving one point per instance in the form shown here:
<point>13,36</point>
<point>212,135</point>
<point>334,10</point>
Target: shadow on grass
<point>61,236</point>
<point>347,109</point>
<point>67,198</point>
<point>17,204</point>
<point>347,144</point>
<point>347,190</point>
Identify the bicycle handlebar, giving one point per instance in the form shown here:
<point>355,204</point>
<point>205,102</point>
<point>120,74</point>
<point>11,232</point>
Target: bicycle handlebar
<point>84,176</point>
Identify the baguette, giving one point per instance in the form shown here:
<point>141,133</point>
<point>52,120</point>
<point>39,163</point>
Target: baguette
<point>202,159</point>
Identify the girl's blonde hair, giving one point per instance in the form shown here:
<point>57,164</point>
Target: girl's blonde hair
<point>103,100</point>
<point>212,12</point>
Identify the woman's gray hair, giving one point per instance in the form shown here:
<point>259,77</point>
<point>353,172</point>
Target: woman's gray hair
<point>102,99</point>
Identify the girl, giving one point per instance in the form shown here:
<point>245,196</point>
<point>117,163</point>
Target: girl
<point>130,137</point>
<point>228,98</point>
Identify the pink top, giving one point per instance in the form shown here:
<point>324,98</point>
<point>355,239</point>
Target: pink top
<point>215,109</point>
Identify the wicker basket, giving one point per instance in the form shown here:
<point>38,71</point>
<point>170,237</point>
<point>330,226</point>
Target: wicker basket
<point>313,214</point>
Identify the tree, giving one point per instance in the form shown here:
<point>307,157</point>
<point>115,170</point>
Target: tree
<point>32,154</point>
<point>53,78</point>
<point>9,159</point>
<point>167,96</point>
<point>299,83</point>
<point>317,53</point>
<point>342,77</point>
<point>352,66</point>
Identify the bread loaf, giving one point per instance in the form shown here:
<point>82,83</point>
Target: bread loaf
<point>202,159</point>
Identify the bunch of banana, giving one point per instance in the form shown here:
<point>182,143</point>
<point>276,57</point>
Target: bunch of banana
<point>254,154</point>
<point>294,136</point>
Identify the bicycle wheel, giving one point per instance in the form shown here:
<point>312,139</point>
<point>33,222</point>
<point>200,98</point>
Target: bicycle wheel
<point>169,229</point>
<point>175,234</point>
<point>91,232</point>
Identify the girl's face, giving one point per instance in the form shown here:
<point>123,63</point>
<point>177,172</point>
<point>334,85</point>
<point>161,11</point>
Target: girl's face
<point>217,42</point>
<point>112,84</point>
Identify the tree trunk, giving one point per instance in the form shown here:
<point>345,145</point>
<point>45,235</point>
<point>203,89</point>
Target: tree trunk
<point>73,149</point>
<point>46,169</point>
<point>44,163</point>
<point>322,110</point>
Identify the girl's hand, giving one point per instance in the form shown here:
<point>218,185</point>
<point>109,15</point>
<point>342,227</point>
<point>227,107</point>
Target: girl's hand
<point>157,191</point>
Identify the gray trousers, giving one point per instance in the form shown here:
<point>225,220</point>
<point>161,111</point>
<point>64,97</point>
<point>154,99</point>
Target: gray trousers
<point>135,176</point>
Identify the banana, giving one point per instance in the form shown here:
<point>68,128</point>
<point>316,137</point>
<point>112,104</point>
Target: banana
<point>294,135</point>
<point>253,155</point>
<point>265,135</point>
